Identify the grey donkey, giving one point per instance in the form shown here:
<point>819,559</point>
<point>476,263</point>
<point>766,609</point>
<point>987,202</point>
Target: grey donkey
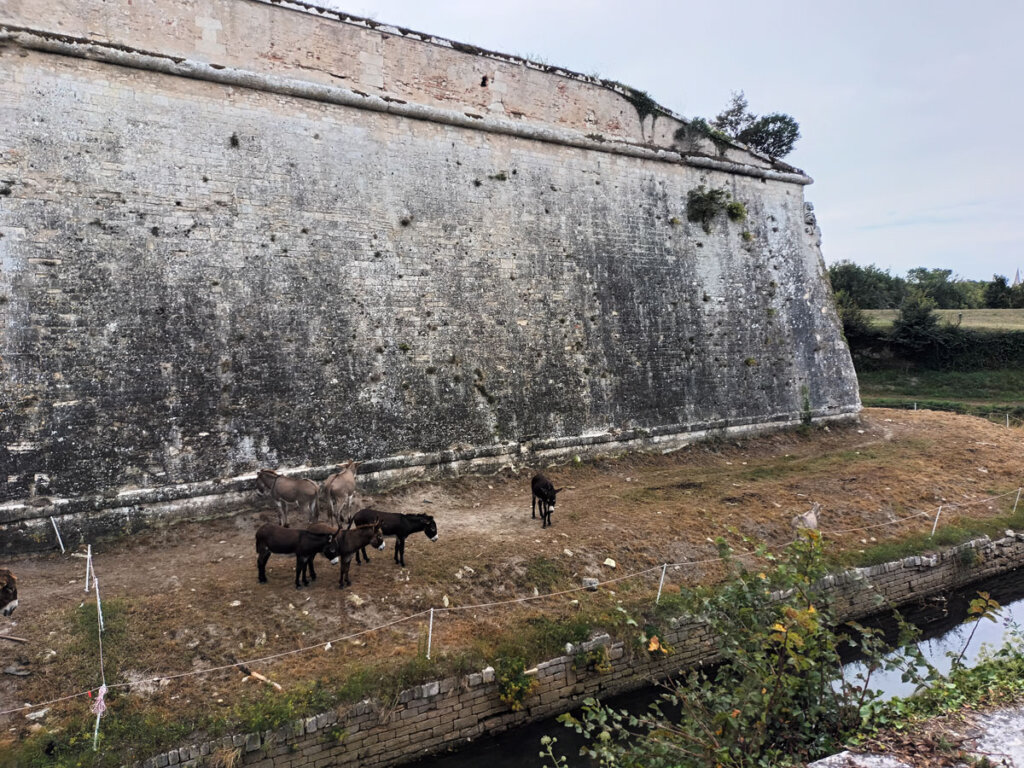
<point>285,490</point>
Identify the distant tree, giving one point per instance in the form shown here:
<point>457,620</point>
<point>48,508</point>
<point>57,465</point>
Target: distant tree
<point>854,321</point>
<point>937,285</point>
<point>916,329</point>
<point>997,293</point>
<point>774,134</point>
<point>972,293</point>
<point>867,287</point>
<point>1017,296</point>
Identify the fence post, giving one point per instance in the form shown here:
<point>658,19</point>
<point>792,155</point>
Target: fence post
<point>661,584</point>
<point>936,523</point>
<point>99,607</point>
<point>1015,502</point>
<point>88,565</point>
<point>57,531</point>
<point>430,632</point>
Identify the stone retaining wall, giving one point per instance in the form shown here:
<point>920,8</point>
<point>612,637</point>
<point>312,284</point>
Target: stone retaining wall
<point>444,713</point>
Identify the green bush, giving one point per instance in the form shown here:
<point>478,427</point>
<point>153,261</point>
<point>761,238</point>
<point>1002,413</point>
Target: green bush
<point>703,205</point>
<point>514,685</point>
<point>778,698</point>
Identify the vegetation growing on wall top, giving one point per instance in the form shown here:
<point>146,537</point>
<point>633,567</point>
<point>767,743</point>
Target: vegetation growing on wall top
<point>774,135</point>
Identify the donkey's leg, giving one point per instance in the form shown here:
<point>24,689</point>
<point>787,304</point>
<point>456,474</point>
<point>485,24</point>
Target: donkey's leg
<point>400,550</point>
<point>314,510</point>
<point>533,508</point>
<point>282,516</point>
<point>350,502</point>
<point>261,565</point>
<point>300,570</point>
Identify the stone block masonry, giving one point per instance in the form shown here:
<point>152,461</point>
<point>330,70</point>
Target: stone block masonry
<point>445,713</point>
<point>215,256</point>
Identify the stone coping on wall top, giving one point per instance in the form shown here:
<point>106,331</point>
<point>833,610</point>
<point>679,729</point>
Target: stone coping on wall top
<point>95,50</point>
<point>250,742</point>
<point>444,42</point>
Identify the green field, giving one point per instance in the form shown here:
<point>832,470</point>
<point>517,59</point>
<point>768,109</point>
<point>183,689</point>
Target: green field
<point>975,319</point>
<point>993,394</point>
<point>997,387</point>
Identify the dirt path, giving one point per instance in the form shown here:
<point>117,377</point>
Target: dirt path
<point>189,598</point>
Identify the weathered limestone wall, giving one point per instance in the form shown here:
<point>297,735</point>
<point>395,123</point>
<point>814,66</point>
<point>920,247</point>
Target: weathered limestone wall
<point>295,40</point>
<point>215,258</point>
<point>444,713</point>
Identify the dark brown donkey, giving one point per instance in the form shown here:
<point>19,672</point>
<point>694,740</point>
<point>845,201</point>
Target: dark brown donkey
<point>278,540</point>
<point>543,496</point>
<point>9,590</point>
<point>288,490</point>
<point>347,542</point>
<point>399,526</point>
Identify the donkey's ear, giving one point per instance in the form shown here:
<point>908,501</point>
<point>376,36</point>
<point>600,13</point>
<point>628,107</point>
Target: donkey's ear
<point>559,490</point>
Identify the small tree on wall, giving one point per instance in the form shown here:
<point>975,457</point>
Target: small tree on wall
<point>774,134</point>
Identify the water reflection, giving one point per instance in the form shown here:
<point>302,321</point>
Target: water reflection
<point>944,631</point>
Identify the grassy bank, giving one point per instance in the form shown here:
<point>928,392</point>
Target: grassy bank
<point>975,319</point>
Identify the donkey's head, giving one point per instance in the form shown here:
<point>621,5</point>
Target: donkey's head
<point>377,539</point>
<point>265,481</point>
<point>8,592</point>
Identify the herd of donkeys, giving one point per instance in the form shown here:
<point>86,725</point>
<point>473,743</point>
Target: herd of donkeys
<point>347,534</point>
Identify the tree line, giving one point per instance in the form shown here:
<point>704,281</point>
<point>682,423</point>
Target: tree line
<point>917,336</point>
<point>873,288</point>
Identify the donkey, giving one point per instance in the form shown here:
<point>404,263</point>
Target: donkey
<point>322,528</point>
<point>346,543</point>
<point>288,490</point>
<point>339,492</point>
<point>399,526</point>
<point>8,592</point>
<point>544,497</point>
<point>279,540</point>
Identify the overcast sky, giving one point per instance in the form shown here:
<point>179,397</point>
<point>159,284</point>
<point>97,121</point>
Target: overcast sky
<point>911,113</point>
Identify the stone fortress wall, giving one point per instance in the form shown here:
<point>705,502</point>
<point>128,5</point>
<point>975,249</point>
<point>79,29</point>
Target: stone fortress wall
<point>237,233</point>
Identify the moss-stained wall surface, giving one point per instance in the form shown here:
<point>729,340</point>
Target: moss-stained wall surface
<point>211,260</point>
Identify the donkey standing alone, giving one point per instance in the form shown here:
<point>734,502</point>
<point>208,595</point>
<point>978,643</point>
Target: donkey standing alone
<point>543,496</point>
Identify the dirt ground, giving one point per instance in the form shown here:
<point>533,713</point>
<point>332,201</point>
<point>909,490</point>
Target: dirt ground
<point>190,600</point>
